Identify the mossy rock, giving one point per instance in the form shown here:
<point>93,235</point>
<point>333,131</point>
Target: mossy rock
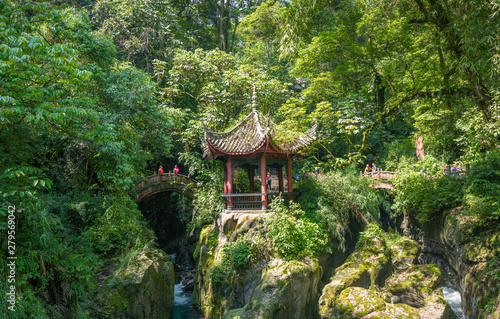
<point>402,311</point>
<point>285,289</point>
<point>378,315</point>
<point>436,306</point>
<point>348,275</point>
<point>404,252</point>
<point>356,302</point>
<point>143,287</point>
<point>421,279</point>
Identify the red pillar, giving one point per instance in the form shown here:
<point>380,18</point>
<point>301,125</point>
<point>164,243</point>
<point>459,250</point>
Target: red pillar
<point>229,181</point>
<point>250,178</point>
<point>289,174</point>
<point>280,178</point>
<point>225,178</point>
<point>263,180</point>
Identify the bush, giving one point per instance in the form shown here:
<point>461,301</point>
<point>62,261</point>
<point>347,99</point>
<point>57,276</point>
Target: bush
<point>335,198</point>
<point>426,197</point>
<point>291,233</point>
<point>482,195</point>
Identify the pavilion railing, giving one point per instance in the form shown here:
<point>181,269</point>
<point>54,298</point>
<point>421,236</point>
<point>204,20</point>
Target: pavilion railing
<point>253,201</point>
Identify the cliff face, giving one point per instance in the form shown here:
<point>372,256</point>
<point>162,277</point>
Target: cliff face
<point>269,288</point>
<point>474,258</point>
<point>379,280</point>
<point>143,288</point>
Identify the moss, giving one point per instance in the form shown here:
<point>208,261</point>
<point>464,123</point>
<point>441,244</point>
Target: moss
<point>358,302</point>
<point>421,278</point>
<point>402,311</point>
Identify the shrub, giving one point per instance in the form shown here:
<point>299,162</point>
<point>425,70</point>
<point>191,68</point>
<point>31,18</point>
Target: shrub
<point>292,234</point>
<point>426,197</point>
<point>482,195</point>
<point>336,198</point>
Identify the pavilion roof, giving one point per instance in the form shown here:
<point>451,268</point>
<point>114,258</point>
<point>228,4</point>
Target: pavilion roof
<point>253,133</point>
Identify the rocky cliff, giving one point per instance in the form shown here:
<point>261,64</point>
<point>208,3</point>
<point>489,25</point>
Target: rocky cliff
<point>267,288</point>
<point>473,256</point>
<point>142,287</point>
<point>379,280</point>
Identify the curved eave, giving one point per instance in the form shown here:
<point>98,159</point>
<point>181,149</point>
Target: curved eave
<point>215,150</point>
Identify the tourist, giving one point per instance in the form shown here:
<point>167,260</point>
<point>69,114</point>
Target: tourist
<point>374,167</point>
<point>445,169</point>
<point>269,180</point>
<point>368,168</point>
<point>297,177</point>
<point>453,170</point>
<point>176,170</point>
<point>318,174</point>
<point>459,169</point>
<point>160,170</point>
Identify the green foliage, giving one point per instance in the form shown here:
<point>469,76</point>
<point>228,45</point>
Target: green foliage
<point>240,180</point>
<point>426,197</point>
<point>335,198</point>
<point>142,30</point>
<point>291,233</point>
<point>482,194</point>
<point>235,256</point>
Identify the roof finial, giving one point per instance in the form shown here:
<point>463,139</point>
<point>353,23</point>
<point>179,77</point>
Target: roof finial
<point>254,100</point>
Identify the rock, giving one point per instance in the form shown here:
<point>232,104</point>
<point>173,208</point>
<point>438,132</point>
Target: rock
<point>142,288</point>
<point>404,253</point>
<point>348,275</point>
<point>468,256</point>
<point>365,287</point>
<point>270,288</point>
<point>287,289</point>
<point>414,284</point>
<point>184,259</point>
<point>436,307</point>
<point>356,302</point>
<point>402,311</point>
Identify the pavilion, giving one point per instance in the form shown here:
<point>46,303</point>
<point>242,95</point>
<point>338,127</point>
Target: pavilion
<point>252,145</point>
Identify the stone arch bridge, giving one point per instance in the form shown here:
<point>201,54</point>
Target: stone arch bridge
<point>163,183</point>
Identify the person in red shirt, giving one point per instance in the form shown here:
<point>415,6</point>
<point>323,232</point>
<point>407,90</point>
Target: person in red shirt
<point>160,170</point>
<point>176,170</point>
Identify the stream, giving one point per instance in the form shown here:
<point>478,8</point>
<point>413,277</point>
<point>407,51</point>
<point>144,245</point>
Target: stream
<point>183,304</point>
<point>183,289</point>
<point>455,300</point>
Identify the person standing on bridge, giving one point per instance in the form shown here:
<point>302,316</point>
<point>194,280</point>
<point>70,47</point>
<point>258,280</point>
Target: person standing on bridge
<point>160,170</point>
<point>374,167</point>
<point>176,170</point>
<point>368,169</point>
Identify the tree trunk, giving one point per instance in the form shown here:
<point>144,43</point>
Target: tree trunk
<point>223,24</point>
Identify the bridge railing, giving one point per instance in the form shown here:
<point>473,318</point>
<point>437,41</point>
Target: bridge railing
<point>379,175</point>
<point>253,201</point>
<point>163,178</point>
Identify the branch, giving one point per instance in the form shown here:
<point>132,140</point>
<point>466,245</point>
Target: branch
<point>384,115</point>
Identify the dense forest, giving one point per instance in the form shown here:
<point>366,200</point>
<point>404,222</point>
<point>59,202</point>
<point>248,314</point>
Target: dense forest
<point>96,94</point>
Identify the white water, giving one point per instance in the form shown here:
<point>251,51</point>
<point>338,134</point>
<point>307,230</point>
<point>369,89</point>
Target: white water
<point>183,301</point>
<point>183,304</point>
<point>455,300</point>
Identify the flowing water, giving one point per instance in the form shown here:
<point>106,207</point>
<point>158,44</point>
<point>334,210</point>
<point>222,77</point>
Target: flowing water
<point>183,295</point>
<point>455,300</point>
<point>183,304</point>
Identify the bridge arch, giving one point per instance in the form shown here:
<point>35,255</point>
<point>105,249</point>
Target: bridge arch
<point>163,183</point>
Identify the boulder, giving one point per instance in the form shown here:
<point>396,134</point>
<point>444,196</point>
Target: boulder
<point>143,287</point>
<point>356,302</point>
<point>415,284</point>
<point>379,280</point>
<point>286,289</point>
<point>436,306</point>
